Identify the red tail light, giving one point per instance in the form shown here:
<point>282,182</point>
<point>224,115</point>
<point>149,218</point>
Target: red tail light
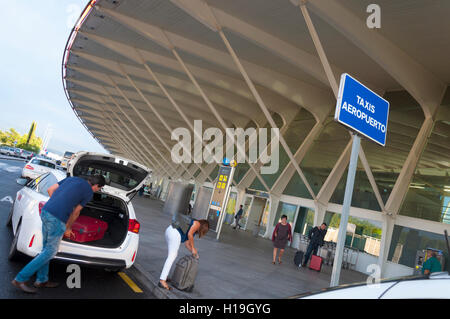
<point>31,241</point>
<point>134,255</point>
<point>134,226</point>
<point>29,167</point>
<point>41,204</point>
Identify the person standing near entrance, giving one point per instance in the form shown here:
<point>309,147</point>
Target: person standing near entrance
<point>67,199</point>
<point>431,265</point>
<point>238,216</point>
<point>281,235</point>
<point>316,237</point>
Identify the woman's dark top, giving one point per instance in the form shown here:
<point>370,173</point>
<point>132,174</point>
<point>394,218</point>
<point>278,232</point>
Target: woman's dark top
<point>283,235</point>
<point>184,236</point>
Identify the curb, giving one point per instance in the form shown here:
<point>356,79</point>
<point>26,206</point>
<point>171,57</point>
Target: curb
<point>13,159</point>
<point>151,283</point>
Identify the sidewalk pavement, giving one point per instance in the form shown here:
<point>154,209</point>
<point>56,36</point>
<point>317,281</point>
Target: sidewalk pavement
<point>236,267</point>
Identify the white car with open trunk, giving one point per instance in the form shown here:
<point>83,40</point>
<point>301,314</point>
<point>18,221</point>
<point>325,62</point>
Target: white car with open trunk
<point>118,247</point>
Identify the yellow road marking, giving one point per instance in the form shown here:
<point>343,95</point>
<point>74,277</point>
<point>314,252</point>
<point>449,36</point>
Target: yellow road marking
<point>130,282</point>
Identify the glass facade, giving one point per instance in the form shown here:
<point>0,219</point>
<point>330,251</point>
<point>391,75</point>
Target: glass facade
<point>246,209</point>
<point>363,194</point>
<point>406,242</point>
<point>428,196</point>
<point>305,220</point>
<point>285,209</point>
<point>264,219</point>
<point>240,171</point>
<point>229,218</point>
<point>242,168</point>
<point>319,160</point>
<point>214,173</point>
<point>405,120</point>
<point>294,135</point>
<point>362,234</point>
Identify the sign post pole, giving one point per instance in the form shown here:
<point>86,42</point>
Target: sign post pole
<point>337,264</point>
<point>225,204</point>
<point>365,113</point>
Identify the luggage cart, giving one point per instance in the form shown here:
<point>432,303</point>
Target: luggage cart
<point>356,259</point>
<point>346,258</point>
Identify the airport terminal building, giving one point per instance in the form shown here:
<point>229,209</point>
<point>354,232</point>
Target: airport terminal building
<point>136,70</point>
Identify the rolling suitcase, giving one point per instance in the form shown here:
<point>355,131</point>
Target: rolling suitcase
<point>88,229</point>
<point>316,263</point>
<point>185,272</point>
<point>298,258</point>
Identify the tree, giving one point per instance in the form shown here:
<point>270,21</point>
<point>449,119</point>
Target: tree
<point>32,144</point>
<point>364,227</point>
<point>31,132</point>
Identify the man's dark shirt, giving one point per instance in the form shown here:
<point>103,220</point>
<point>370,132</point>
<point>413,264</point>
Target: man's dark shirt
<point>316,235</point>
<point>72,191</point>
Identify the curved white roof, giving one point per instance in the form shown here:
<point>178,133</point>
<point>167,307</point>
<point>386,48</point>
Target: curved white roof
<point>126,62</point>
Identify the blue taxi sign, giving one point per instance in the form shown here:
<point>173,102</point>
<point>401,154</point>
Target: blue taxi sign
<point>362,110</point>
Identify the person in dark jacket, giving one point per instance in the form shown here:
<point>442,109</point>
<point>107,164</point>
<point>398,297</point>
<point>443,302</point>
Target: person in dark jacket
<point>238,216</point>
<point>316,236</point>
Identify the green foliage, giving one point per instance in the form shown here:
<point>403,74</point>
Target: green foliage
<point>363,227</point>
<point>310,217</point>
<point>9,137</point>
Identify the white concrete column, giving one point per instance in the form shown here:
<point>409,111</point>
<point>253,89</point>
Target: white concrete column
<point>319,213</point>
<point>386,238</point>
<point>274,203</point>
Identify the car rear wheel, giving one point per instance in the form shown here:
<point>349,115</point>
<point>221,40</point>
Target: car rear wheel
<point>9,220</point>
<point>14,254</point>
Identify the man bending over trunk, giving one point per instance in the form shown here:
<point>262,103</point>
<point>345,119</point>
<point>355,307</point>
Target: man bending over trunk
<point>67,199</point>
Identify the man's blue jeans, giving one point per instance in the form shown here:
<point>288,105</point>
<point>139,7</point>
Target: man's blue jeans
<point>52,231</point>
<point>312,248</point>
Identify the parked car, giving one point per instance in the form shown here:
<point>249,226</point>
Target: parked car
<point>26,154</point>
<point>17,152</point>
<point>434,286</point>
<point>7,150</point>
<point>118,248</point>
<point>36,167</point>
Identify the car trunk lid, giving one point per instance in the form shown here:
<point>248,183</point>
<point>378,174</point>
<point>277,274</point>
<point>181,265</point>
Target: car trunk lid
<point>123,177</point>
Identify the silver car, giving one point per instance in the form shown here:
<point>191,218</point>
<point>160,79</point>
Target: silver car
<point>37,167</point>
<point>7,150</point>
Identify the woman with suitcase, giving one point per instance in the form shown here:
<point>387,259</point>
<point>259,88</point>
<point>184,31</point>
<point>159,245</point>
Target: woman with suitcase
<point>281,234</point>
<point>174,237</point>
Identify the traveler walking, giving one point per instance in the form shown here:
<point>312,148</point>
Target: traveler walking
<point>316,236</point>
<point>238,217</point>
<point>281,235</point>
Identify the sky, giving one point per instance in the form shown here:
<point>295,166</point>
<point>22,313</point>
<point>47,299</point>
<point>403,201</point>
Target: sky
<point>33,37</point>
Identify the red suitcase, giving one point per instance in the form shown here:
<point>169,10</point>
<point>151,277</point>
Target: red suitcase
<point>88,229</point>
<point>316,263</point>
